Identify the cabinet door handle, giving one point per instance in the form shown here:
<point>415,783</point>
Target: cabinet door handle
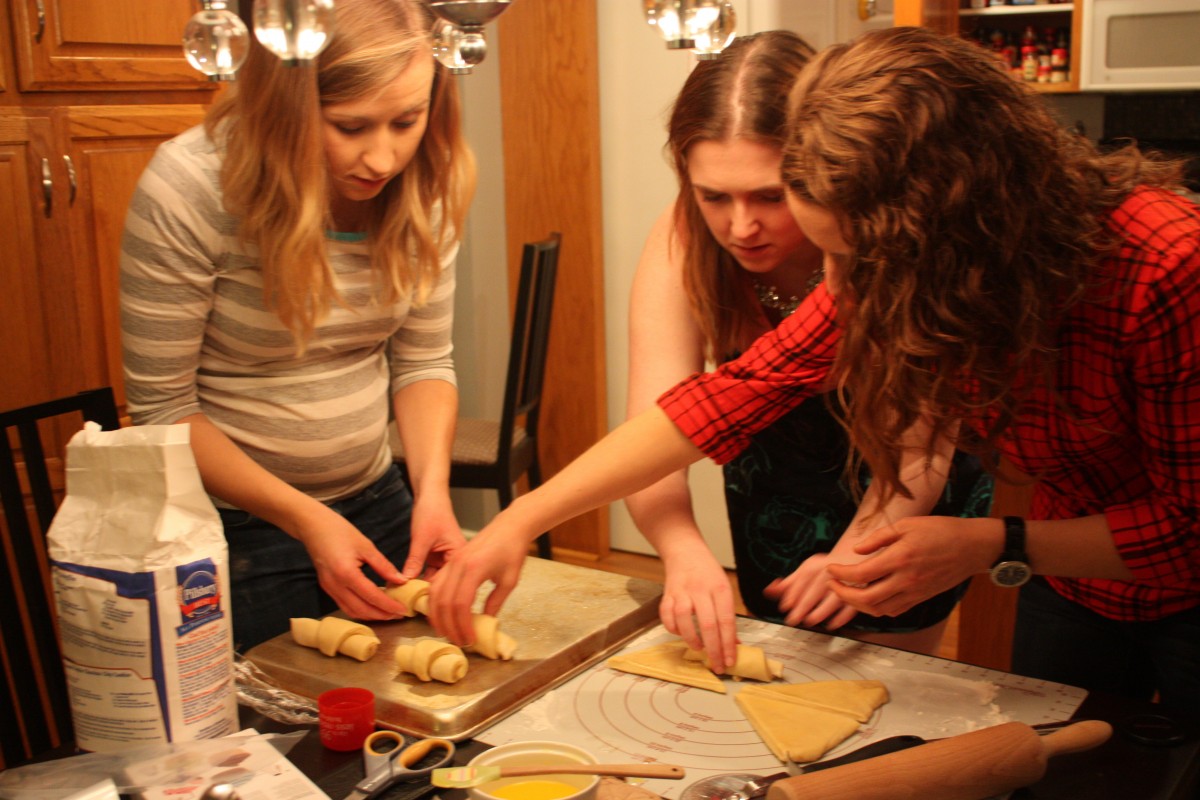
<point>47,187</point>
<point>41,19</point>
<point>72,183</point>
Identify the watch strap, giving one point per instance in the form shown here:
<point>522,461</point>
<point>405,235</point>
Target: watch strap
<point>1014,540</point>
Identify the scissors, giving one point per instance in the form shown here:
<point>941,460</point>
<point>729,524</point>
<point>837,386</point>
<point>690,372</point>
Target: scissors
<point>388,761</point>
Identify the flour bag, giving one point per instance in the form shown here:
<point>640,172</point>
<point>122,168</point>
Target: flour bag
<point>141,584</point>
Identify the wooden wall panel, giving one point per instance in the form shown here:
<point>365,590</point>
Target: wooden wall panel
<point>939,15</point>
<point>550,102</point>
<point>988,613</point>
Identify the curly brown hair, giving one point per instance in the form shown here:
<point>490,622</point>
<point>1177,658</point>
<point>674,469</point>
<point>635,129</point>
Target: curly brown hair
<point>975,219</point>
<point>740,94</point>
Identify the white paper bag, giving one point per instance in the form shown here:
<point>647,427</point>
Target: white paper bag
<point>141,582</point>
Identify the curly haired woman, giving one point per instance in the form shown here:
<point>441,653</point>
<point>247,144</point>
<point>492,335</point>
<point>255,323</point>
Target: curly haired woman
<point>984,269</point>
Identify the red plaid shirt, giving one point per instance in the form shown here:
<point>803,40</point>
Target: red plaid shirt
<point>1129,371</point>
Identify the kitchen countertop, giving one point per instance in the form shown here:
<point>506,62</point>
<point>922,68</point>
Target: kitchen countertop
<point>1128,766</point>
<point>1120,769</point>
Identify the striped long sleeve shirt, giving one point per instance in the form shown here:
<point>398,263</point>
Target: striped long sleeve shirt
<point>197,337</point>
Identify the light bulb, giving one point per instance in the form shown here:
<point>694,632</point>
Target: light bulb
<point>458,50</point>
<point>668,16</point>
<point>294,30</point>
<point>215,41</point>
<point>713,28</point>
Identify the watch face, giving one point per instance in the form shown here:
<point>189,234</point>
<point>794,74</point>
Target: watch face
<point>1011,573</point>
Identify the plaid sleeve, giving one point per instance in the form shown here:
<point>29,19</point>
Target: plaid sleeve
<point>719,411</point>
<point>1158,536</point>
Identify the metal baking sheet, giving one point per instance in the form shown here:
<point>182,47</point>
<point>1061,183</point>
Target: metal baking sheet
<point>564,617</point>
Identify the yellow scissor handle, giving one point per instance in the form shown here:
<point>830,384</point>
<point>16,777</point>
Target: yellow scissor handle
<point>422,748</point>
<point>382,742</point>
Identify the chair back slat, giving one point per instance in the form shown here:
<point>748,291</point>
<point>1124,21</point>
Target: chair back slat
<point>35,714</point>
<point>531,333</point>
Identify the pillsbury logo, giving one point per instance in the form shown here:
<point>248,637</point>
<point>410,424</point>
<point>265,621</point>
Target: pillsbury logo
<point>199,593</point>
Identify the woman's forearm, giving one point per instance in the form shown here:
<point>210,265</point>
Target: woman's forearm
<point>636,454</point>
<point>231,475</point>
<point>425,414</point>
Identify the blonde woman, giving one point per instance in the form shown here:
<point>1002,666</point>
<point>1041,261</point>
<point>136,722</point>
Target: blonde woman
<point>287,283</point>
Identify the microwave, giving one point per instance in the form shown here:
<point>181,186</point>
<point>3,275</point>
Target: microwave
<point>1140,45</point>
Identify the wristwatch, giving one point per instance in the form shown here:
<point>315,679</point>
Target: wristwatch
<point>1013,568</point>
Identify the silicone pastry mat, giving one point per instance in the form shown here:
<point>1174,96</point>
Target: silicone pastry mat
<point>621,717</point>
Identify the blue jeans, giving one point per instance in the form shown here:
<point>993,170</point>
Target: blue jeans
<point>272,576</point>
<point>1059,640</point>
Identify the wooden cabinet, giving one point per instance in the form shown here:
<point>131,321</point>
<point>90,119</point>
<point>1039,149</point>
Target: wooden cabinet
<point>109,147</point>
<point>949,16</point>
<point>74,45</point>
<point>34,251</point>
<point>87,92</point>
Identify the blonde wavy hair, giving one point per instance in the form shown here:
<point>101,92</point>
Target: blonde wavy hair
<point>274,176</point>
<point>740,94</point>
<point>976,221</point>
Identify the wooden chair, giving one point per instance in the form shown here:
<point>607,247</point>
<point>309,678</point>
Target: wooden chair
<point>494,454</point>
<point>35,714</point>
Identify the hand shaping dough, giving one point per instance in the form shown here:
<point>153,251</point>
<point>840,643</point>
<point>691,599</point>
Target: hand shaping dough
<point>333,635</point>
<point>803,721</point>
<point>432,659</point>
<point>751,663</point>
<point>666,662</point>
<point>414,595</point>
<point>490,641</point>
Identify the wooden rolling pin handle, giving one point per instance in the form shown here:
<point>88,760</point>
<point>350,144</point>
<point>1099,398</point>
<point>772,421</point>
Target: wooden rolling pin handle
<point>1083,735</point>
<point>971,766</point>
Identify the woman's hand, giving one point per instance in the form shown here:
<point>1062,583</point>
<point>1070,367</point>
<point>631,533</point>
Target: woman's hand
<point>339,551</point>
<point>435,536</point>
<point>924,556</point>
<point>806,598</point>
<point>494,554</point>
<point>697,606</point>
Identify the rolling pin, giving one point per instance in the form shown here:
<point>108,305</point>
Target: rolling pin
<point>971,766</point>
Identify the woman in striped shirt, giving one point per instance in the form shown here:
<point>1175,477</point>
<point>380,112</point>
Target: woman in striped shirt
<point>287,284</point>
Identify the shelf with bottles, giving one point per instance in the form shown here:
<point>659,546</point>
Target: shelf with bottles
<point>1037,42</point>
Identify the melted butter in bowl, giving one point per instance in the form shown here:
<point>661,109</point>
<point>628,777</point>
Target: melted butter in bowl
<point>532,789</point>
<point>547,786</point>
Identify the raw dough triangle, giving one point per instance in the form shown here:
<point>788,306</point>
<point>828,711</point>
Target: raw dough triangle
<point>858,699</point>
<point>666,662</point>
<point>793,730</point>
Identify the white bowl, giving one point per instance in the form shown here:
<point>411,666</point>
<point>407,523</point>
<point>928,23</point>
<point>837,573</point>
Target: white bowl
<point>520,754</point>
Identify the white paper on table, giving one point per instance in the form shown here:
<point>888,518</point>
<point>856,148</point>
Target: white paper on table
<point>252,766</point>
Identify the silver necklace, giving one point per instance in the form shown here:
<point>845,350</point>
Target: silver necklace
<point>770,297</point>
